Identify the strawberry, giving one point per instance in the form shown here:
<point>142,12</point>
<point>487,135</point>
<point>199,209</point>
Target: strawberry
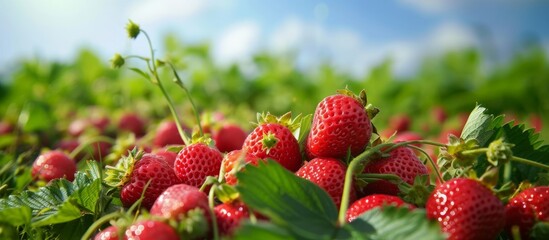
<point>400,123</point>
<point>402,162</point>
<point>466,209</point>
<point>167,134</point>
<point>6,127</point>
<point>329,174</point>
<point>131,122</point>
<point>229,216</point>
<point>372,201</point>
<point>168,156</point>
<point>340,124</point>
<point>439,114</point>
<point>231,160</point>
<point>197,161</point>
<point>109,233</point>
<point>176,201</point>
<point>53,165</point>
<point>133,172</point>
<point>229,137</point>
<point>526,208</point>
<point>273,138</point>
<point>77,127</point>
<point>151,230</point>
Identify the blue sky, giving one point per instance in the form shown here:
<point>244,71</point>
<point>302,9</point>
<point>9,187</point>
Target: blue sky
<point>354,35</point>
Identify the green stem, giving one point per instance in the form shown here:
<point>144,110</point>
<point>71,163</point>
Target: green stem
<point>195,109</point>
<point>211,203</point>
<point>530,162</point>
<point>380,176</point>
<point>154,72</point>
<point>432,162</point>
<point>478,151</point>
<point>363,157</point>
<point>507,172</point>
<point>98,224</point>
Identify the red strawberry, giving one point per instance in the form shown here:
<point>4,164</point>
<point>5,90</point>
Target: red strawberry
<point>439,114</point>
<point>110,233</point>
<point>229,137</point>
<point>229,216</point>
<point>77,127</point>
<point>402,162</point>
<point>273,138</point>
<point>400,123</point>
<point>329,174</point>
<point>168,155</point>
<point>230,161</point>
<point>372,201</point>
<point>151,230</point>
<point>195,162</point>
<point>53,165</point>
<point>526,208</point>
<point>466,209</point>
<point>143,168</point>
<point>340,123</point>
<point>133,123</point>
<point>167,134</point>
<point>5,127</point>
<point>176,201</point>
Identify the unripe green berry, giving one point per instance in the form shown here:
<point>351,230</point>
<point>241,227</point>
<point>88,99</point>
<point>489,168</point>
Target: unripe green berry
<point>132,29</point>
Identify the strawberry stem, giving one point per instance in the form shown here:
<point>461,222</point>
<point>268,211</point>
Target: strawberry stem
<point>88,234</point>
<point>157,81</point>
<point>431,161</point>
<point>529,162</point>
<point>179,82</point>
<point>351,169</point>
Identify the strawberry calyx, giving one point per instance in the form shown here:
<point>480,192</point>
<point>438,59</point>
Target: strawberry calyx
<point>285,120</point>
<point>417,193</point>
<point>362,99</point>
<point>269,141</point>
<point>499,151</point>
<point>192,225</point>
<point>205,139</point>
<point>119,175</point>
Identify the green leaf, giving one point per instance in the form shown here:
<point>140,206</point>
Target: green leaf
<point>303,132</point>
<point>138,71</point>
<point>298,205</point>
<point>393,222</point>
<point>526,145</point>
<point>60,201</point>
<point>262,230</point>
<point>481,126</point>
<point>16,216</point>
<point>540,231</point>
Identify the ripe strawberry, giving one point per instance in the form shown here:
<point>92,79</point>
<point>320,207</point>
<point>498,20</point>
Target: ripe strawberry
<point>168,156</point>
<point>372,201</point>
<point>400,123</point>
<point>133,172</point>
<point>526,208</point>
<point>109,233</point>
<point>439,114</point>
<point>229,216</point>
<point>53,165</point>
<point>5,127</point>
<point>329,174</point>
<point>229,137</point>
<point>197,161</point>
<point>402,162</point>
<point>176,201</point>
<point>466,209</point>
<point>133,123</point>
<point>340,124</point>
<point>273,138</point>
<point>231,159</point>
<point>77,127</point>
<point>167,134</point>
<point>151,230</point>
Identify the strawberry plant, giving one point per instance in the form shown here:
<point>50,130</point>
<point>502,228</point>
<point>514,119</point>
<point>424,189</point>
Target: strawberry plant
<point>334,172</point>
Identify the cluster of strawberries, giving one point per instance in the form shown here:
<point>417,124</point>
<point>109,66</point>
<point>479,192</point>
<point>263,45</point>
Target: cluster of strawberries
<point>170,185</point>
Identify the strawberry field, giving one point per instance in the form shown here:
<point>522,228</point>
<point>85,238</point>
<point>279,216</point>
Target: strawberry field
<point>168,145</point>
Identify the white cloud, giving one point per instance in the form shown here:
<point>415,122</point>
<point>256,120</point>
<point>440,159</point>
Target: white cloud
<point>351,52</point>
<point>154,11</point>
<point>237,43</point>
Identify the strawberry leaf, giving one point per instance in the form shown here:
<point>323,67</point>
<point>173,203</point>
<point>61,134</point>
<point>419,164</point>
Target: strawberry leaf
<point>392,222</point>
<point>16,216</point>
<point>298,205</point>
<point>540,231</point>
<point>262,230</point>
<point>481,126</point>
<point>60,201</point>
